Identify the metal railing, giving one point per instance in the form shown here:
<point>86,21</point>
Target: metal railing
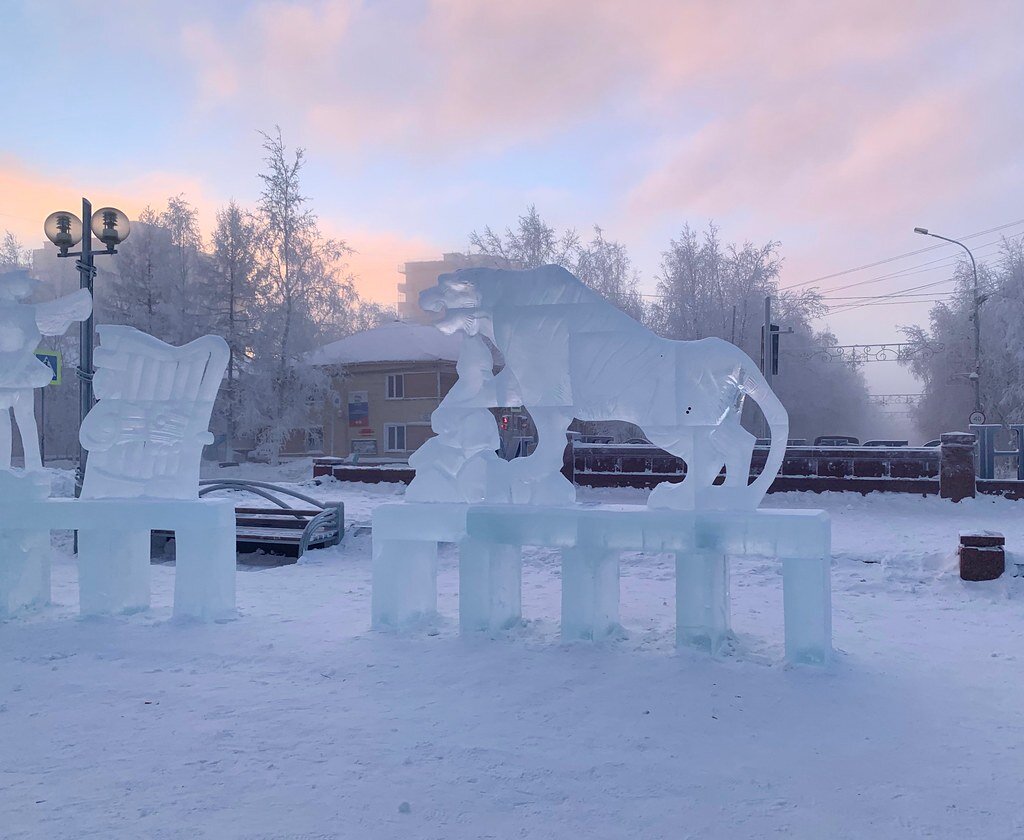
<point>330,519</point>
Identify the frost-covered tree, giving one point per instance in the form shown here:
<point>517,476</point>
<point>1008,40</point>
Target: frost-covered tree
<point>140,292</point>
<point>605,267</point>
<point>531,243</point>
<point>305,298</point>
<point>708,288</point>
<point>602,264</point>
<point>943,355</point>
<point>12,254</point>
<point>181,221</point>
<point>230,301</point>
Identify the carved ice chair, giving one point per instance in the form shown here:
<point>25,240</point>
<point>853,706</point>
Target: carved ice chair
<point>145,438</point>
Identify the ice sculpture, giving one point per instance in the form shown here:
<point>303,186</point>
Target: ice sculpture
<point>145,438</point>
<point>570,354</point>
<point>22,325</point>
<point>460,463</point>
<point>146,434</point>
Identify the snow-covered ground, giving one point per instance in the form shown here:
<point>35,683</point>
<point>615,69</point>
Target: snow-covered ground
<point>295,721</point>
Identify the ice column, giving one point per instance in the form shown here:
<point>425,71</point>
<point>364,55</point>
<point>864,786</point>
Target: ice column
<point>490,586</point>
<point>702,600</point>
<point>24,554</point>
<point>807,602</point>
<point>204,574</point>
<point>113,568</point>
<point>404,582</point>
<point>590,593</point>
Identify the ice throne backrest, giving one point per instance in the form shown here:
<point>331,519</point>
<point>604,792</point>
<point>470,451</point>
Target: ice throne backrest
<point>146,434</point>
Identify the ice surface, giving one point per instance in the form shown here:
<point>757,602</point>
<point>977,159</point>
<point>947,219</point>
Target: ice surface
<point>22,325</point>
<point>569,353</point>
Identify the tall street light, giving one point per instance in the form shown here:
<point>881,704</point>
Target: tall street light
<point>65,230</point>
<point>977,416</point>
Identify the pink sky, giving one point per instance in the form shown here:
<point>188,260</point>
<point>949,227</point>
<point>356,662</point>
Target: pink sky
<point>833,128</point>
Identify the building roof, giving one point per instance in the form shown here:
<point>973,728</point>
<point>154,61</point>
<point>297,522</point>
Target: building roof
<point>397,341</point>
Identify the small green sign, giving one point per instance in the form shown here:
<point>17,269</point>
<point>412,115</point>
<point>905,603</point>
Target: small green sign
<point>51,358</point>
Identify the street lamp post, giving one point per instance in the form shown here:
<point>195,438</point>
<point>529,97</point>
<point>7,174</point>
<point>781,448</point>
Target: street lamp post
<point>65,230</point>
<point>978,416</point>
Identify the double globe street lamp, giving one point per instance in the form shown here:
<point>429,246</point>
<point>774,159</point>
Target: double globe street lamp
<point>65,230</point>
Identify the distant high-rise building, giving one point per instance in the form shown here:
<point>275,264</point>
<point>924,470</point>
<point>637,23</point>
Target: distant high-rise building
<point>423,274</point>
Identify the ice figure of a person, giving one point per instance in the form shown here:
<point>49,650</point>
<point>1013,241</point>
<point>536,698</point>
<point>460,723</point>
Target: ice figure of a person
<point>22,325</point>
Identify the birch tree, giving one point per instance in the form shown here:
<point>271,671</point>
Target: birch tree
<point>305,298</point>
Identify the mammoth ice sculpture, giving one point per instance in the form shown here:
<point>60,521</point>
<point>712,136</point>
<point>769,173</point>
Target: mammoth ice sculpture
<point>22,325</point>
<point>570,354</point>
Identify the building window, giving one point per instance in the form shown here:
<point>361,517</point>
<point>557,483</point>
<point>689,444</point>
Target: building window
<point>396,386</point>
<point>394,437</point>
<point>315,439</point>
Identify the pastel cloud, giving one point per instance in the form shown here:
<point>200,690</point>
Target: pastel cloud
<point>377,257</point>
<point>30,195</point>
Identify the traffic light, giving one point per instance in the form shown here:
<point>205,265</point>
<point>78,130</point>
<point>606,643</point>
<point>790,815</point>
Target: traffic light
<point>505,419</point>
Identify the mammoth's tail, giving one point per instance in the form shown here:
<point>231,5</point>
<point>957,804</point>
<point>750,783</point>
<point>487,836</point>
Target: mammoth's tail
<point>778,422</point>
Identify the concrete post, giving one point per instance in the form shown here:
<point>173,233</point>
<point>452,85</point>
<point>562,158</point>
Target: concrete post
<point>956,466</point>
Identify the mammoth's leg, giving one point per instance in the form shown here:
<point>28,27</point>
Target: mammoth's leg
<point>24,413</point>
<point>540,474</point>
<point>707,458</point>
<point>678,442</point>
<point>736,446</point>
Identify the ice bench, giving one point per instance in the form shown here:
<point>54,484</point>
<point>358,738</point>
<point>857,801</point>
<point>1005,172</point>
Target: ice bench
<point>591,539</point>
<point>113,552</point>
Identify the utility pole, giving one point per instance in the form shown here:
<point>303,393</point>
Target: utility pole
<point>767,356</point>
<point>770,350</point>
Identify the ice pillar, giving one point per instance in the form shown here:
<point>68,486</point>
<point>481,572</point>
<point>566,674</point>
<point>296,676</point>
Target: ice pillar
<point>590,593</point>
<point>702,600</point>
<point>24,570</point>
<point>490,586</point>
<point>204,574</point>
<point>404,582</point>
<point>807,602</point>
<point>113,571</point>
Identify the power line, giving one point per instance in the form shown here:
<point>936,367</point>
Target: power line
<point>898,257</point>
<point>852,306</point>
<point>902,292</point>
<point>876,297</point>
<point>921,268</point>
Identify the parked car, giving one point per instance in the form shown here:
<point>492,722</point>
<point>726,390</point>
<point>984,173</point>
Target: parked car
<point>935,442</point>
<point>836,440</point>
<point>887,443</point>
